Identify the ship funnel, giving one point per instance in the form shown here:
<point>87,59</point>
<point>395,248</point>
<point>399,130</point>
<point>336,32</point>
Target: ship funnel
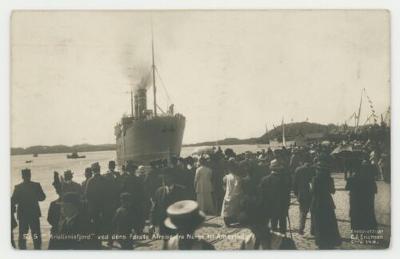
<point>140,103</point>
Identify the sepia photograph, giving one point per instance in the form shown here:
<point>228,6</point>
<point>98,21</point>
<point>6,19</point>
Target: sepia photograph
<point>200,129</point>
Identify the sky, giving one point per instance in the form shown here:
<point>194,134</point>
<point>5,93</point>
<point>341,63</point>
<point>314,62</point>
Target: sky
<point>230,73</point>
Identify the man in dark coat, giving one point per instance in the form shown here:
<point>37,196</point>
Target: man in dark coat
<point>134,185</point>
<point>88,175</point>
<point>152,180</point>
<point>166,195</point>
<point>301,187</point>
<point>68,185</point>
<point>218,173</point>
<point>26,197</point>
<point>74,222</point>
<point>96,197</point>
<point>113,190</point>
<point>190,173</point>
<point>53,217</point>
<point>362,187</point>
<point>275,196</point>
<point>123,221</point>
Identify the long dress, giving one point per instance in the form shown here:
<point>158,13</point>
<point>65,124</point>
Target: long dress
<point>324,223</point>
<point>231,202</point>
<point>362,189</point>
<point>204,189</point>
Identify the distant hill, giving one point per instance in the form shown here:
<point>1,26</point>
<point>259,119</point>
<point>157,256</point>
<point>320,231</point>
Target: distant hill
<point>291,131</point>
<point>61,149</point>
<point>297,128</point>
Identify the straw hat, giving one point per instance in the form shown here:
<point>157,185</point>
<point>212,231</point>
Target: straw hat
<point>184,214</point>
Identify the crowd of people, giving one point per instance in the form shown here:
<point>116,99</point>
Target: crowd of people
<point>169,199</point>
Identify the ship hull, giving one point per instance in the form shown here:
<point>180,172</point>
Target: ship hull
<point>143,141</point>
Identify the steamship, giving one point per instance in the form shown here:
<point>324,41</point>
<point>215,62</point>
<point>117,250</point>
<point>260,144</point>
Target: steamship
<point>147,135</point>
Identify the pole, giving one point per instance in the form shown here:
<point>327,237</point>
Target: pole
<point>154,75</point>
<point>131,103</point>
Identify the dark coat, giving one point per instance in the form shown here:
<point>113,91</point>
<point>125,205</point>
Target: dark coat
<point>71,187</point>
<point>135,186</point>
<point>95,190</point>
<point>53,215</point>
<point>301,185</point>
<point>362,189</point>
<point>275,194</point>
<point>123,221</point>
<point>114,185</point>
<point>164,197</point>
<point>26,196</point>
<point>151,183</point>
<point>189,183</point>
<point>79,224</point>
<point>324,223</point>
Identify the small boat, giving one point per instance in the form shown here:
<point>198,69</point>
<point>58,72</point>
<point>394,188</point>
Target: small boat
<point>28,161</point>
<point>74,155</point>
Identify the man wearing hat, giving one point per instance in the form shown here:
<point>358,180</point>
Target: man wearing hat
<point>275,196</point>
<point>185,217</point>
<point>72,223</point>
<point>26,197</point>
<point>123,221</point>
<point>165,195</point>
<point>68,185</point>
<point>113,190</point>
<point>134,185</point>
<point>301,187</point>
<point>96,196</point>
<point>88,175</point>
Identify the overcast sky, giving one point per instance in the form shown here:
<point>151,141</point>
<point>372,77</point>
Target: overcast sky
<point>228,72</point>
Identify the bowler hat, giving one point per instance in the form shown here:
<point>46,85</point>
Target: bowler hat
<point>183,214</point>
<point>68,173</point>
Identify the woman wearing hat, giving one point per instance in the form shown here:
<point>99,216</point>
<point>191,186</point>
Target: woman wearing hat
<point>185,217</point>
<point>362,189</point>
<point>204,188</point>
<point>231,202</point>
<point>323,219</point>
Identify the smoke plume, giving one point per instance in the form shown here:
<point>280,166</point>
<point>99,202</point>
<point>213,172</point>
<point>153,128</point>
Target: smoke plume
<point>137,72</point>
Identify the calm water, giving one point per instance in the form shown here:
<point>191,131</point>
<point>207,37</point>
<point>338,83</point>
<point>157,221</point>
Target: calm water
<point>44,165</point>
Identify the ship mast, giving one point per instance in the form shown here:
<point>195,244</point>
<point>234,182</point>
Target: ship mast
<point>357,117</point>
<point>153,66</point>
